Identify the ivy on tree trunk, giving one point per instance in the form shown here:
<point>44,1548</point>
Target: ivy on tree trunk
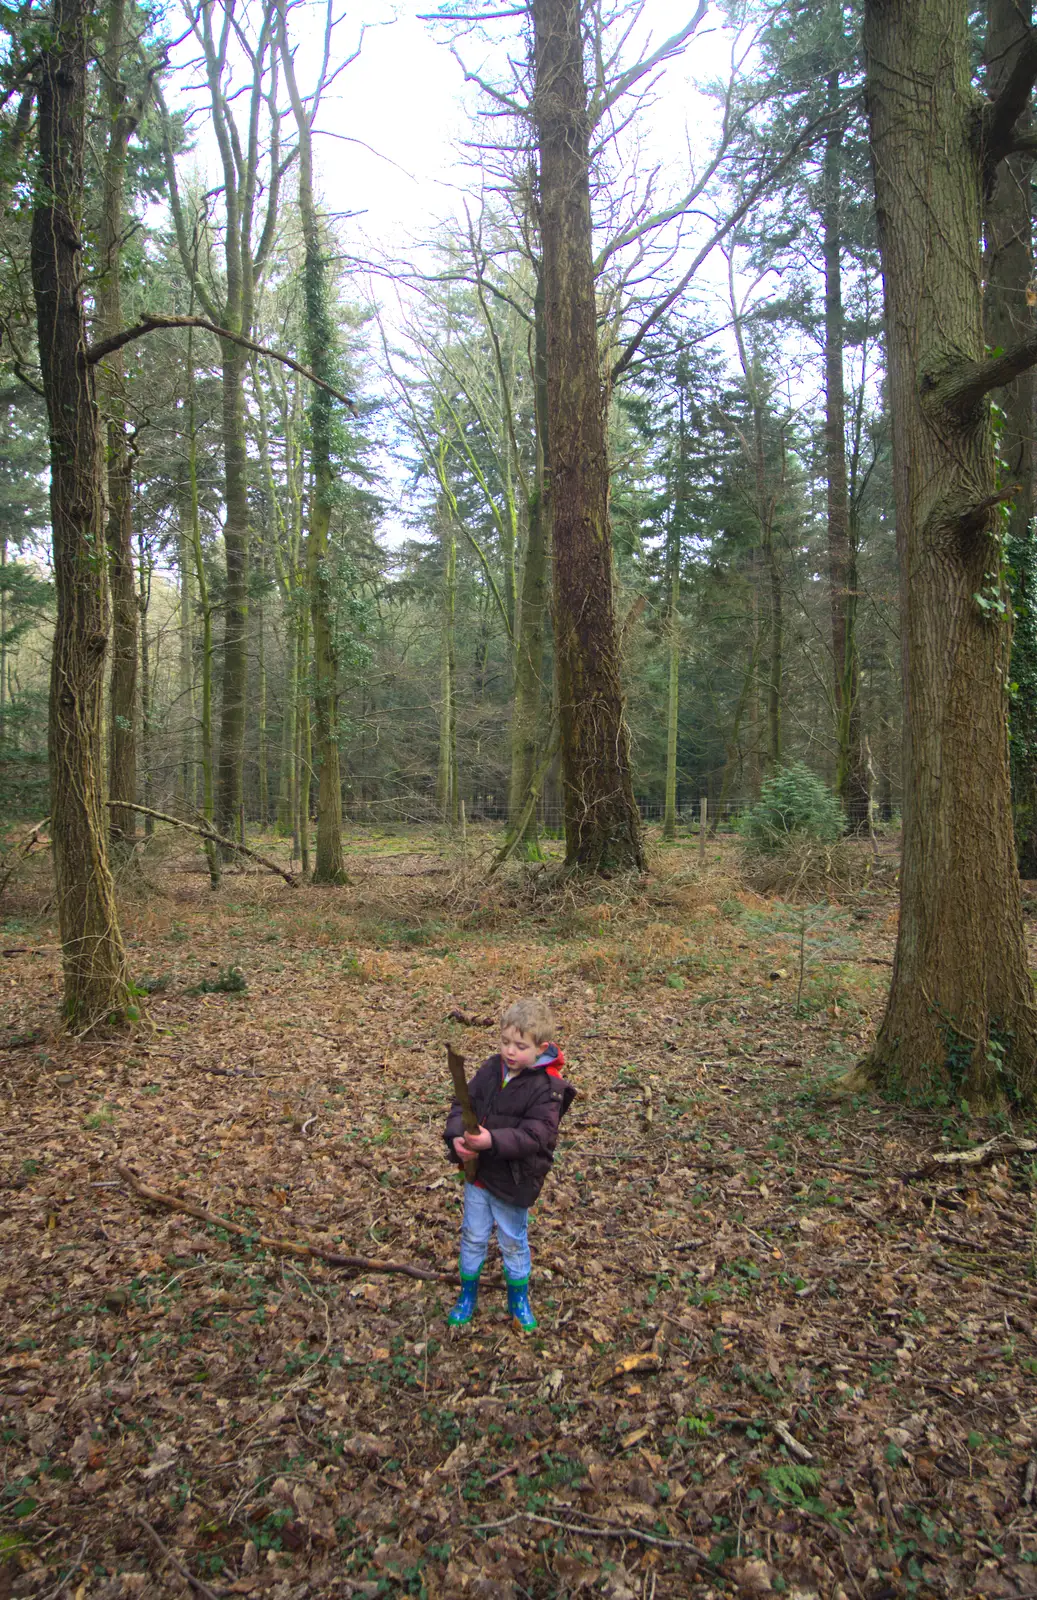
<point>93,957</point>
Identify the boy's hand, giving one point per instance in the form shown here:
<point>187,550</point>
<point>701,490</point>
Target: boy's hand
<point>483,1140</point>
<point>461,1150</point>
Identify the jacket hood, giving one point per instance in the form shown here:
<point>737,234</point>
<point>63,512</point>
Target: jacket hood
<point>551,1059</point>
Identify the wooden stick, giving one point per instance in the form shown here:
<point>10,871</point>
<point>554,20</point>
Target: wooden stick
<point>289,1247</point>
<point>211,836</point>
<point>468,1116</point>
<point>611,1531</point>
<point>167,1555</point>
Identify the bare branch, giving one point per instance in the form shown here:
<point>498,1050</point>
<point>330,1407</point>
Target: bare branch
<point>152,323</point>
<point>671,47</point>
<point>1001,114</point>
<point>769,178</point>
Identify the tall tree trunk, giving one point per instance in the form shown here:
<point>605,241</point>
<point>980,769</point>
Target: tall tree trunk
<point>768,599</point>
<point>3,638</point>
<point>960,1016</point>
<point>851,783</point>
<point>286,789</point>
<point>305,736</point>
<point>205,608</point>
<point>673,564</point>
<point>234,676</point>
<point>446,775</point>
<point>261,712</point>
<point>775,618</point>
<point>144,570</point>
<point>93,956</point>
<point>602,825</point>
<point>122,691</point>
<point>330,866</point>
<point>1009,282</point>
<point>186,688</point>
<point>529,642</point>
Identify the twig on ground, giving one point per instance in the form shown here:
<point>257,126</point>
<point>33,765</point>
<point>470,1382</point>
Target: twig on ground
<point>610,1531</point>
<point>791,1443</point>
<point>312,1252</point>
<point>187,1575</point>
<point>51,1594</point>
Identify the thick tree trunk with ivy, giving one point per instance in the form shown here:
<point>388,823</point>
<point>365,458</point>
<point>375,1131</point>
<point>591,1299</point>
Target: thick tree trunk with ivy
<point>329,866</point>
<point>93,957</point>
<point>122,689</point>
<point>851,784</point>
<point>960,1016</point>
<point>602,825</point>
<point>1009,317</point>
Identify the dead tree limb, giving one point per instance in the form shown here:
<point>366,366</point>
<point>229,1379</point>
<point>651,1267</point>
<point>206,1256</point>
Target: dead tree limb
<point>1000,1145</point>
<point>213,837</point>
<point>288,1247</point>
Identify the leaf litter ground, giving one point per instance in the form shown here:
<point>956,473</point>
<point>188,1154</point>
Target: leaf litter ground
<point>768,1361</point>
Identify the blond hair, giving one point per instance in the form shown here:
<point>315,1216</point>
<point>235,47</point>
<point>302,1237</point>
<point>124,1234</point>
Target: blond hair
<point>531,1017</point>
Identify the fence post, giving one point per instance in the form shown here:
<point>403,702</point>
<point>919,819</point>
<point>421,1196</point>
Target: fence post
<point>703,808</point>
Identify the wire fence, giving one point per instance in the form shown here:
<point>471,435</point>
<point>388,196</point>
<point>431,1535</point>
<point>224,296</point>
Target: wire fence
<point>489,808</point>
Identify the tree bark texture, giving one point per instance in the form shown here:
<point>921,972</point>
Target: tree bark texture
<point>1009,318</point>
<point>602,825</point>
<point>960,1015</point>
<point>851,783</point>
<point>122,688</point>
<point>93,957</point>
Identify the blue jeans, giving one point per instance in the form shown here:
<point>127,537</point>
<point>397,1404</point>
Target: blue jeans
<point>481,1211</point>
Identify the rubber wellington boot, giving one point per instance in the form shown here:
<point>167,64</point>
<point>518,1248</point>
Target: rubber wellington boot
<point>519,1309</point>
<point>464,1309</point>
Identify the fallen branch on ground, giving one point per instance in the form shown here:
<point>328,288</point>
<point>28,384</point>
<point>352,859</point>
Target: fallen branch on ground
<point>976,1157</point>
<point>213,837</point>
<point>185,1572</point>
<point>289,1247</point>
<point>611,1531</point>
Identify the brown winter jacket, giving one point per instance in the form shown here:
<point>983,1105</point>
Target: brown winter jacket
<point>523,1117</point>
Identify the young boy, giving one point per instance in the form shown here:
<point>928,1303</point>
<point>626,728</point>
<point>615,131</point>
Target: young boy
<point>519,1097</point>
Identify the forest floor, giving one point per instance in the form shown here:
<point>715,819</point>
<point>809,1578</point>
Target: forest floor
<point>772,1358</point>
